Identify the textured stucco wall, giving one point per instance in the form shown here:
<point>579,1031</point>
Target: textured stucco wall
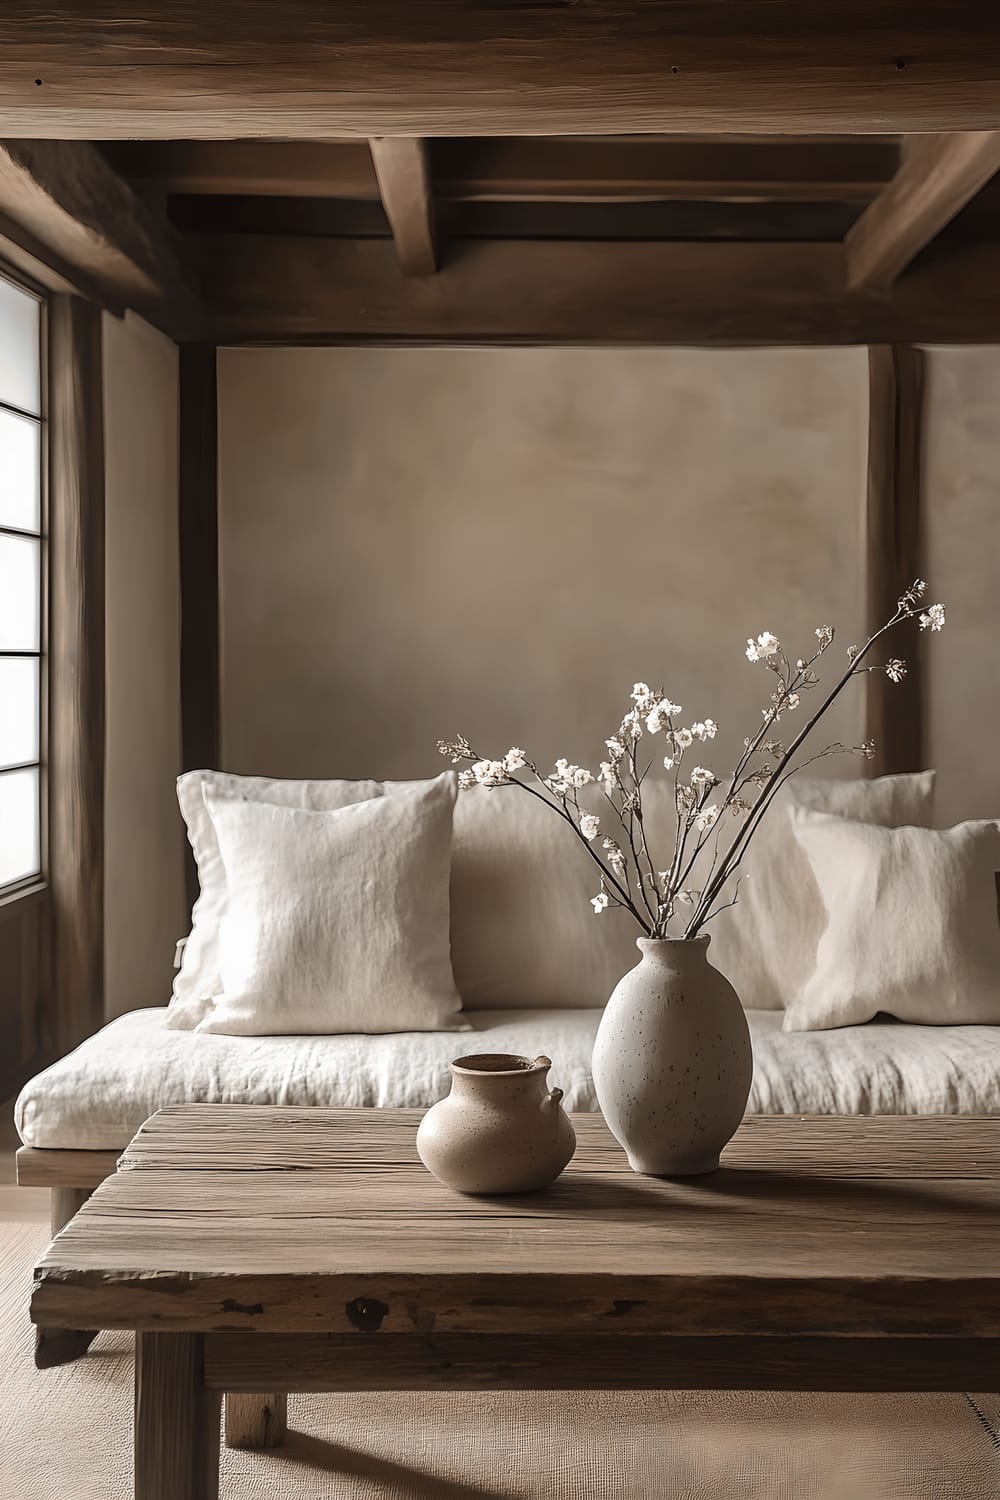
<point>145,910</point>
<point>962,532</point>
<point>416,541</point>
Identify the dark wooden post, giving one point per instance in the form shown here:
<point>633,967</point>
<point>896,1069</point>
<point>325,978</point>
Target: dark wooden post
<point>894,552</point>
<point>199,560</point>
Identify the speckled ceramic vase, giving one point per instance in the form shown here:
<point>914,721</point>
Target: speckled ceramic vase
<point>672,1060</point>
<point>500,1130</point>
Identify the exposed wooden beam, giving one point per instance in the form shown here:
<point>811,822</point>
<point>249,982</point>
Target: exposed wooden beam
<point>199,558</point>
<point>401,166</point>
<point>938,176</point>
<point>76,656</point>
<point>76,208</point>
<point>569,169</point>
<point>636,170</point>
<point>273,289</point>
<point>363,68</point>
<point>275,169</point>
<point>894,711</point>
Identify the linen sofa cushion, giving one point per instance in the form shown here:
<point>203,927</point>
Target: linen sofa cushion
<point>198,978</point>
<point>766,944</point>
<point>336,921</point>
<point>912,926</point>
<point>96,1098</point>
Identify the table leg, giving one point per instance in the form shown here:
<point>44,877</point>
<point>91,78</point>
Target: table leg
<point>59,1346</point>
<point>255,1421</point>
<point>176,1420</point>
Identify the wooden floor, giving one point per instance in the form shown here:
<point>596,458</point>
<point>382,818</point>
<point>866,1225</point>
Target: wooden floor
<point>17,1205</point>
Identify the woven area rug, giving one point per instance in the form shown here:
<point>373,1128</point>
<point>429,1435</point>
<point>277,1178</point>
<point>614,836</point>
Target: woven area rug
<point>68,1436</point>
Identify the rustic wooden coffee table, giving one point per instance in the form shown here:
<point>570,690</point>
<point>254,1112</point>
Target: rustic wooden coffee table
<point>272,1250</point>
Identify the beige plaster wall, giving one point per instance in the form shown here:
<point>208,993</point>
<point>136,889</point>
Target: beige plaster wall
<point>416,541</point>
<point>962,519</point>
<point>144,872</point>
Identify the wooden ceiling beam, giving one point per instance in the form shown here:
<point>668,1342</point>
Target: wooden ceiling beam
<point>70,205</point>
<point>363,68</point>
<point>637,170</point>
<point>937,177</point>
<point>274,169</point>
<point>567,169</point>
<point>404,182</point>
<point>280,290</point>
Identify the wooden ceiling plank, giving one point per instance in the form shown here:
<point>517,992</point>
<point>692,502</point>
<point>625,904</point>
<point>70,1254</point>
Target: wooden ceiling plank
<point>276,289</point>
<point>75,207</point>
<point>937,177</point>
<point>276,169</point>
<point>363,68</point>
<point>636,170</point>
<point>403,172</point>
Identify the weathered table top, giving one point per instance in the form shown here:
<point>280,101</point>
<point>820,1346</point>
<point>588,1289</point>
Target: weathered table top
<point>282,1220</point>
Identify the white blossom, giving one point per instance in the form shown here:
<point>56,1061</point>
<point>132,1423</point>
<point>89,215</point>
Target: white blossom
<point>567,778</point>
<point>514,759</point>
<point>673,709</point>
<point>705,731</point>
<point>608,774</point>
<point>590,825</point>
<point>668,763</point>
<point>643,698</point>
<point>657,720</point>
<point>702,776</point>
<point>616,858</point>
<point>824,634</point>
<point>683,738</point>
<point>600,903</point>
<point>708,817</point>
<point>764,646</point>
<point>616,748</point>
<point>792,701</point>
<point>895,669</point>
<point>466,780</point>
<point>933,618</point>
<point>490,773</point>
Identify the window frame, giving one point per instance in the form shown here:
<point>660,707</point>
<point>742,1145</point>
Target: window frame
<point>36,882</point>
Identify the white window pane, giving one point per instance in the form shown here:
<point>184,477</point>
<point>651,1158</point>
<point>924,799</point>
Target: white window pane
<point>20,323</point>
<point>20,850</point>
<point>19,593</point>
<point>18,710</point>
<point>20,468</point>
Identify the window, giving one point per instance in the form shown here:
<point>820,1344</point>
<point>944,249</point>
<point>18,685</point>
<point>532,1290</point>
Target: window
<point>22,639</point>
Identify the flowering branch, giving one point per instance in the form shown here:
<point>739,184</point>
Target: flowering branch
<point>628,874</point>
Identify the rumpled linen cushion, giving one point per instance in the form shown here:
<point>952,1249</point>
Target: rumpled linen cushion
<point>766,944</point>
<point>336,921</point>
<point>912,926</point>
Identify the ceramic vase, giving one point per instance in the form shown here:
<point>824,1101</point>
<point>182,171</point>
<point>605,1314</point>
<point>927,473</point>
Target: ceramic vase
<point>500,1130</point>
<point>672,1060</point>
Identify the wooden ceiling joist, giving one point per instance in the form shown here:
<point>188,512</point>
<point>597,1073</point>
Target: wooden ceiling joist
<point>577,169</point>
<point>401,167</point>
<point>275,289</point>
<point>70,204</point>
<point>364,68</point>
<point>937,177</point>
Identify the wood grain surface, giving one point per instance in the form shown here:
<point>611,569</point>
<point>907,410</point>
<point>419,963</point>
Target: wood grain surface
<point>324,1221</point>
<point>240,68</point>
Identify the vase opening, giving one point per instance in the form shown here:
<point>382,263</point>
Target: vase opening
<point>654,945</point>
<point>500,1063</point>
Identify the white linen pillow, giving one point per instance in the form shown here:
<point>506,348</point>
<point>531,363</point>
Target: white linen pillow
<point>336,922</point>
<point>198,977</point>
<point>766,944</point>
<point>912,926</point>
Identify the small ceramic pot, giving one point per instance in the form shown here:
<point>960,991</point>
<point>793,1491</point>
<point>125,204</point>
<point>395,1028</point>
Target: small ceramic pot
<point>500,1130</point>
